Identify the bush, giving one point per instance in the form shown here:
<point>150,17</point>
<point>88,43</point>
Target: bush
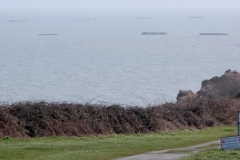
<point>24,119</point>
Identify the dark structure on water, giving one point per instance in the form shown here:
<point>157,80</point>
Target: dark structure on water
<point>154,33</point>
<point>214,34</point>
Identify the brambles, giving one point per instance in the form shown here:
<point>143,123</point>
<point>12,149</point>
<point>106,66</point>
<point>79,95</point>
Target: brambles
<point>37,119</point>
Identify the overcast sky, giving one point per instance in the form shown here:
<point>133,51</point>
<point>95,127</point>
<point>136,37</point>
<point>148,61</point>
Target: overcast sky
<point>120,4</point>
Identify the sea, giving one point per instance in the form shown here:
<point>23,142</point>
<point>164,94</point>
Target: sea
<point>101,57</point>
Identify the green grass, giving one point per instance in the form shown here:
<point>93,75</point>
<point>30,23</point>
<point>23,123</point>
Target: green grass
<point>209,146</point>
<point>180,151</point>
<point>215,154</point>
<point>105,147</point>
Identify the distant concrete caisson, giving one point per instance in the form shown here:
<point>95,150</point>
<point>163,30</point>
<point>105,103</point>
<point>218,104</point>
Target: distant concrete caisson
<point>154,33</point>
<point>47,34</point>
<point>214,34</point>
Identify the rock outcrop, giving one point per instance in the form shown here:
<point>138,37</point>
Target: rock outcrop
<point>185,94</point>
<point>228,85</point>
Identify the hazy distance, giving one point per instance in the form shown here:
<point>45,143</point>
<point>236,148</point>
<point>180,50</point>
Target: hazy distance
<point>120,4</point>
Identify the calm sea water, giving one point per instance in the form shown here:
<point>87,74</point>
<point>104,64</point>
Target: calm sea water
<point>104,57</point>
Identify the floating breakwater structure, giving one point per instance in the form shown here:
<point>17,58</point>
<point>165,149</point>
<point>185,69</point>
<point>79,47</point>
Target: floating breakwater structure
<point>195,17</point>
<point>214,34</point>
<point>47,34</point>
<point>142,17</point>
<point>17,21</point>
<point>154,33</point>
<point>165,33</point>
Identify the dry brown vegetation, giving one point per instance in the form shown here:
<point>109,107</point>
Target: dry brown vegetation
<point>36,119</point>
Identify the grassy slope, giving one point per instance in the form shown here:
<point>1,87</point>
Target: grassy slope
<point>105,147</point>
<point>215,154</point>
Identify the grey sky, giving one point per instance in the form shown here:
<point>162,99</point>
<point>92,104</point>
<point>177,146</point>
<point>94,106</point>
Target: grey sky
<point>119,4</point>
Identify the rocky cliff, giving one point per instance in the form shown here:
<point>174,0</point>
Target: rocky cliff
<point>228,85</point>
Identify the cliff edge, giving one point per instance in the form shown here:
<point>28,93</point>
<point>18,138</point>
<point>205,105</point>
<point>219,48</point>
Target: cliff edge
<point>228,85</point>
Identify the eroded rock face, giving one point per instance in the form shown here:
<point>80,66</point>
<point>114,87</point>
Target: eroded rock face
<point>184,94</point>
<point>228,85</point>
